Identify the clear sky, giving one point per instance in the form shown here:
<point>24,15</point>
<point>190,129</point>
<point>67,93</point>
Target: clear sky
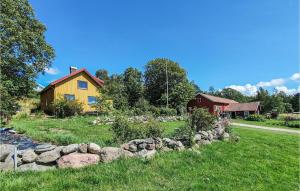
<point>221,43</point>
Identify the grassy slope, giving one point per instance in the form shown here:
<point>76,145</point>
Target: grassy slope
<point>262,160</point>
<point>72,130</point>
<point>267,123</point>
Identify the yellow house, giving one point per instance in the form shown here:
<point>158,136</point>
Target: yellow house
<point>78,85</point>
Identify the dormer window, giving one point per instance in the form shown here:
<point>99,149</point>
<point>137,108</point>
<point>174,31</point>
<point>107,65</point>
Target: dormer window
<point>82,85</point>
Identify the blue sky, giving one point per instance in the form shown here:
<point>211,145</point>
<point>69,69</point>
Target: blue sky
<point>238,44</point>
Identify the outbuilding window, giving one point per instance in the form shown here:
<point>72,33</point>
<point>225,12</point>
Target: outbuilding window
<point>69,97</point>
<point>82,84</point>
<point>92,100</point>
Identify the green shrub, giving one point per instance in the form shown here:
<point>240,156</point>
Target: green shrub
<point>255,117</point>
<point>153,129</point>
<point>201,120</point>
<point>168,111</point>
<point>65,108</point>
<point>154,110</point>
<point>124,131</point>
<point>21,115</point>
<point>185,134</point>
<point>293,124</point>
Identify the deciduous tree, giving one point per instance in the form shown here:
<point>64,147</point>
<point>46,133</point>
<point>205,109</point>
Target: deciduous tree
<point>24,52</point>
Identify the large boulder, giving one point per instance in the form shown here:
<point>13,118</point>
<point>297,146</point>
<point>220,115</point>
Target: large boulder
<point>49,156</point>
<point>173,144</point>
<point>93,148</point>
<point>5,150</point>
<point>44,148</point>
<point>77,160</point>
<point>29,156</point>
<point>35,167</point>
<point>70,149</point>
<point>108,154</point>
<point>8,164</point>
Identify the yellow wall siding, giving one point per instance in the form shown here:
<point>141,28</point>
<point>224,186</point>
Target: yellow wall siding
<point>70,86</point>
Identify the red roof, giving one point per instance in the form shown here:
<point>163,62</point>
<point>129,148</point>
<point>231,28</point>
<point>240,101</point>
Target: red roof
<point>217,99</point>
<point>97,80</point>
<point>251,106</point>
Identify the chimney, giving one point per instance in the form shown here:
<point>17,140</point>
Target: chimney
<point>72,69</point>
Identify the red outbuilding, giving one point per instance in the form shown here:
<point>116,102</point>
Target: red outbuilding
<point>222,106</point>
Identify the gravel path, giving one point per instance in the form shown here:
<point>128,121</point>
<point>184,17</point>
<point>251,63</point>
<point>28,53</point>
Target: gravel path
<point>268,128</point>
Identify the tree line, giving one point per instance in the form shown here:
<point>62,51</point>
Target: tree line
<point>133,88</point>
<point>277,101</point>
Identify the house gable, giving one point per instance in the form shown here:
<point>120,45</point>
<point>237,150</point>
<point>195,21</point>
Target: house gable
<point>68,86</point>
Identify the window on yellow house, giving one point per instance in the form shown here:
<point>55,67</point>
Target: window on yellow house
<point>82,84</point>
<point>92,100</point>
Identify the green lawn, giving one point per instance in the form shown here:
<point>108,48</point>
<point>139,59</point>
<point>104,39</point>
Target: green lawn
<point>72,130</point>
<point>262,160</point>
<point>268,123</point>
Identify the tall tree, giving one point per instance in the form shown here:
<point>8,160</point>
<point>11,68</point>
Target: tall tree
<point>156,81</point>
<point>102,74</point>
<point>295,102</point>
<point>24,52</point>
<point>114,89</point>
<point>230,93</point>
<point>133,83</point>
<point>181,94</point>
<point>263,96</point>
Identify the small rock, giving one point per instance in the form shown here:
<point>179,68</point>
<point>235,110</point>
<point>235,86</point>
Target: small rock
<point>142,146</point>
<point>35,167</point>
<point>70,149</point>
<point>150,146</point>
<point>204,134</point>
<point>93,148</point>
<point>210,136</point>
<point>83,148</point>
<point>197,137</point>
<point>136,141</point>
<point>44,148</point>
<point>146,154</point>
<point>132,148</point>
<point>149,141</point>
<point>29,156</point>
<point>204,142</point>
<point>77,160</point>
<point>158,143</point>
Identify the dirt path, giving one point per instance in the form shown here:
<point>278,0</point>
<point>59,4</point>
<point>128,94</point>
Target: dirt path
<point>267,128</point>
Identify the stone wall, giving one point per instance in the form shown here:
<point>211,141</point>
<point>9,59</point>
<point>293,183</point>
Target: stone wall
<point>47,156</point>
<point>139,119</point>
